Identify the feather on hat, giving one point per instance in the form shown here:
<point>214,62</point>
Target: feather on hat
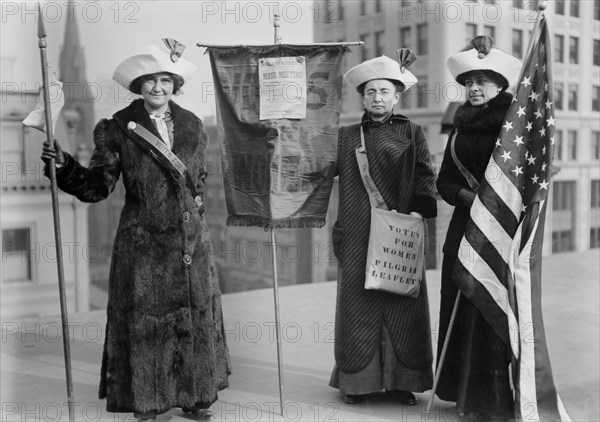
<point>480,55</point>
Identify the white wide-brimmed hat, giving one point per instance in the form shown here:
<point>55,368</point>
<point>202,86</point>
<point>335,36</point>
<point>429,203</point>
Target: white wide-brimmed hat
<point>152,60</point>
<point>482,56</point>
<point>383,68</point>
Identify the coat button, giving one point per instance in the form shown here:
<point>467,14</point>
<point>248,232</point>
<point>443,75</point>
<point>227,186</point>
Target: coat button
<point>198,201</point>
<point>186,216</point>
<point>187,260</point>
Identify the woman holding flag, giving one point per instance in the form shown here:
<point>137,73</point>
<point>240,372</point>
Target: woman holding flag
<point>164,343</point>
<point>475,370</point>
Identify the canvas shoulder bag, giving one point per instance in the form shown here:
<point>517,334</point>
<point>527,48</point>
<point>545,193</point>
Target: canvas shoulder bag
<point>396,243</point>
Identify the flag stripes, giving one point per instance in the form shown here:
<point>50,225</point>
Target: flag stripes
<point>504,216</point>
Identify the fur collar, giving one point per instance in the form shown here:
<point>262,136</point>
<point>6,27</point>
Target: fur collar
<point>486,118</point>
<point>190,139</point>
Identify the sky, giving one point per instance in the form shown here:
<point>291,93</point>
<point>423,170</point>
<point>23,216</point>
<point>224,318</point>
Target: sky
<point>111,31</point>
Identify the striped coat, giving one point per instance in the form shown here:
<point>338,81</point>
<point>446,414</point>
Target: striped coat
<point>400,167</point>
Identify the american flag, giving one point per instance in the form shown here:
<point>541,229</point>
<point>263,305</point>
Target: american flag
<point>499,265</point>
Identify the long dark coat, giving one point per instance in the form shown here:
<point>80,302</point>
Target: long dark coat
<point>474,372</point>
<point>400,166</point>
<point>165,345</point>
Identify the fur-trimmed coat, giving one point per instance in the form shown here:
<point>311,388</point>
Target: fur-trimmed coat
<point>476,129</point>
<point>399,164</point>
<point>165,344</point>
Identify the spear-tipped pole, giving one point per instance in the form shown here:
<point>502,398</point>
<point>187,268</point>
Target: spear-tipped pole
<point>277,24</point>
<point>57,236</point>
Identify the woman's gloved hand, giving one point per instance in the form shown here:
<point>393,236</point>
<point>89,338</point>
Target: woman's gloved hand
<point>56,152</point>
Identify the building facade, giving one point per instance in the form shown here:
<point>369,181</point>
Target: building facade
<point>437,29</point>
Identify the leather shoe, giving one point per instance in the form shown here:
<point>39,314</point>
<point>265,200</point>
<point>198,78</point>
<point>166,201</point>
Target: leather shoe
<point>352,398</point>
<point>145,416</point>
<point>405,397</point>
<point>201,414</point>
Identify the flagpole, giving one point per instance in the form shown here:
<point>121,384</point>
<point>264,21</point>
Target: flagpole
<point>55,213</point>
<point>442,355</point>
<point>541,7</point>
<point>277,40</point>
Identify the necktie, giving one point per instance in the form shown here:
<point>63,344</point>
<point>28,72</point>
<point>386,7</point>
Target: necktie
<point>161,125</point>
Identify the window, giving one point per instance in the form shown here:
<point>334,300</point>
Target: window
<point>573,90</point>
<point>572,145</point>
<point>597,10</point>
<point>405,38</point>
<point>330,7</point>
<point>378,6</point>
<point>559,48</point>
<point>595,194</point>
<point>573,50</point>
<point>16,254</point>
<point>363,7</point>
<point>596,52</point>
<point>558,96</point>
<point>379,43</point>
<point>595,145</point>
<point>563,206</point>
<point>558,145</point>
<point>595,98</point>
<point>340,10</point>
<point>365,48</point>
<point>471,31</point>
<point>422,39</point>
<point>517,43</point>
<point>595,214</point>
<point>422,92</point>
<point>559,7</point>
<point>406,96</point>
<point>490,31</point>
<point>574,8</point>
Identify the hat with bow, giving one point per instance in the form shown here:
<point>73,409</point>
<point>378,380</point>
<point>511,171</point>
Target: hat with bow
<point>154,60</point>
<point>384,68</point>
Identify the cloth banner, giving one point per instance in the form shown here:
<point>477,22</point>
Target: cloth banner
<point>278,170</point>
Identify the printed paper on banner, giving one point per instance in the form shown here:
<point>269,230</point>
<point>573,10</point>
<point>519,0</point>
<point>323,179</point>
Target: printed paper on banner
<point>283,87</point>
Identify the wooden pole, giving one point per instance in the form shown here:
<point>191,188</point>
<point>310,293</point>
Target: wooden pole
<point>277,324</point>
<point>438,370</point>
<point>277,40</point>
<point>55,213</point>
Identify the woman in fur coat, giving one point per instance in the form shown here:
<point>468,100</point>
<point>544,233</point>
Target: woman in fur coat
<point>475,370</point>
<point>164,344</point>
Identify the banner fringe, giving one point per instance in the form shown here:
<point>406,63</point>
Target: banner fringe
<point>283,223</point>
